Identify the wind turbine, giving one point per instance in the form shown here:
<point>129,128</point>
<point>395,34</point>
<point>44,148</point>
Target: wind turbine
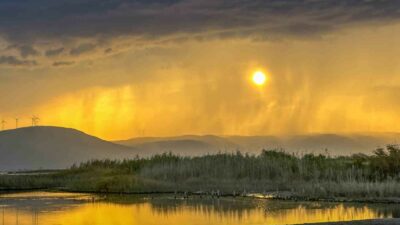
<point>3,123</point>
<point>16,123</point>
<point>35,121</point>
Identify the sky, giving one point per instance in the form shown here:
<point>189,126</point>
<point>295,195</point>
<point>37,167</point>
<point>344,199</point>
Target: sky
<point>126,68</point>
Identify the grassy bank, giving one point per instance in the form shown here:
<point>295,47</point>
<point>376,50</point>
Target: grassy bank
<point>308,175</point>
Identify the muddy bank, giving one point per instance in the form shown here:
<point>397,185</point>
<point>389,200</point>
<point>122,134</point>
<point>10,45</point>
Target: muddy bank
<point>362,222</point>
<point>274,195</point>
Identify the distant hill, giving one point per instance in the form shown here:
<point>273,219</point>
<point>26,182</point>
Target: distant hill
<point>183,145</point>
<point>315,143</point>
<point>54,148</point>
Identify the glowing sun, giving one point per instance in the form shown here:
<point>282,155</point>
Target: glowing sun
<point>259,78</point>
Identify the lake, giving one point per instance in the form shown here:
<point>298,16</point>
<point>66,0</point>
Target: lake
<point>49,208</point>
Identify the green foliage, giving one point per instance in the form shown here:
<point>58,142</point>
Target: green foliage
<point>386,163</point>
<point>319,175</point>
<point>19,182</point>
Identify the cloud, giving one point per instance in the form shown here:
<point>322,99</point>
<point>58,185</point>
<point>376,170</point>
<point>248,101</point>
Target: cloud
<point>25,50</point>
<point>31,21</point>
<point>83,48</point>
<point>108,50</point>
<point>13,61</point>
<point>63,63</point>
<point>54,52</point>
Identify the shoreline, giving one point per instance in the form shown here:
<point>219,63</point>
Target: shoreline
<point>283,196</point>
<point>393,221</point>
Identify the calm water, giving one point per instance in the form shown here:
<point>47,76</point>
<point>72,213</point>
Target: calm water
<point>80,209</point>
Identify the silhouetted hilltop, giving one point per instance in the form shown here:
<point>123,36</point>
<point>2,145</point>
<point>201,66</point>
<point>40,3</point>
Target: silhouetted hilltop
<point>53,147</point>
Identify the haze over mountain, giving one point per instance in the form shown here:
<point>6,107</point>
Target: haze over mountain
<point>53,148</point>
<point>56,147</point>
<point>183,145</point>
<point>317,143</point>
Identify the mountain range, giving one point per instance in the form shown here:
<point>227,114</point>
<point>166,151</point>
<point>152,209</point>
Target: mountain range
<point>56,147</point>
<point>333,144</point>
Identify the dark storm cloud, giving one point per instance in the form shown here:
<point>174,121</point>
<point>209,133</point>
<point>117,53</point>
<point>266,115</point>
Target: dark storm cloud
<point>25,50</point>
<point>13,61</point>
<point>83,48</point>
<point>63,63</point>
<point>54,52</point>
<point>34,20</point>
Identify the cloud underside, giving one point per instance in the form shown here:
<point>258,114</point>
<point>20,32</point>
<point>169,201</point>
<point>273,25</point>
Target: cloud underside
<point>13,61</point>
<point>30,21</point>
<point>76,27</point>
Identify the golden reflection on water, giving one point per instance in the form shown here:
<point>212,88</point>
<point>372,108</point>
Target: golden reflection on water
<point>44,195</point>
<point>148,213</point>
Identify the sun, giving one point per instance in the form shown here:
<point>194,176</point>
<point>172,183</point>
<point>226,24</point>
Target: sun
<point>259,78</point>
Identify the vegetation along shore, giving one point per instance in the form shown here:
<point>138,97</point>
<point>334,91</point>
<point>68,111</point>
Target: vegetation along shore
<point>272,173</point>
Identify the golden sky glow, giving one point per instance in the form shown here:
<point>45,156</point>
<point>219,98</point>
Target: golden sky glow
<point>347,81</point>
